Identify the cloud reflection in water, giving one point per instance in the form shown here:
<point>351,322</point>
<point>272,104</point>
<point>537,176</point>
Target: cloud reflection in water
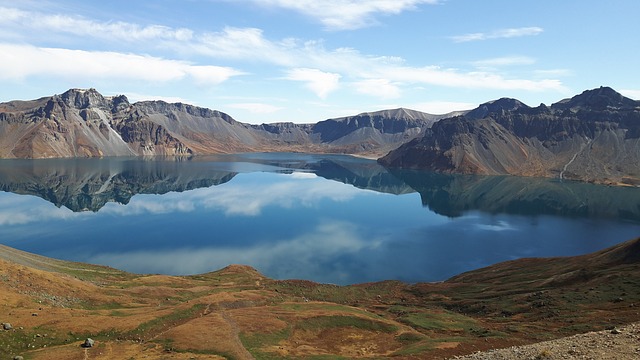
<point>307,256</point>
<point>247,196</point>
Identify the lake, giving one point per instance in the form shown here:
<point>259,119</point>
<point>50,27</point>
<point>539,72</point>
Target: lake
<point>327,218</point>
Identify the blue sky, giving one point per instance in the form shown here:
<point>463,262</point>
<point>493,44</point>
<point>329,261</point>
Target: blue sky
<point>264,61</point>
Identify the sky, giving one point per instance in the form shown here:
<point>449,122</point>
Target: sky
<point>303,61</point>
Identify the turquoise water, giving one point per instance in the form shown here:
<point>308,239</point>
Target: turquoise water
<point>333,219</point>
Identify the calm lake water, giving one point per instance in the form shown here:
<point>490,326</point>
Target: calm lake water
<point>333,219</point>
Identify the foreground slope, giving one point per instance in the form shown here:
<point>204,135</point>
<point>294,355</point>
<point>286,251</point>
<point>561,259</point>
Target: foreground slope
<point>594,136</point>
<point>237,313</point>
<point>83,123</point>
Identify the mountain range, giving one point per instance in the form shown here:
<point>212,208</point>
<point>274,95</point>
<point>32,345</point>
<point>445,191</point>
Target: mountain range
<point>83,123</point>
<point>593,136</point>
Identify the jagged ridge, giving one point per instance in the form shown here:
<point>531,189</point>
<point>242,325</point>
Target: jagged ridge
<point>83,123</point>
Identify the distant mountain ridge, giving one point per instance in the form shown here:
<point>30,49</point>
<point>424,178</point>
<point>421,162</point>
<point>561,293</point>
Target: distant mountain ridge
<point>594,136</point>
<point>83,123</point>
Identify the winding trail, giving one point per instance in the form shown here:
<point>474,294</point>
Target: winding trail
<point>244,353</point>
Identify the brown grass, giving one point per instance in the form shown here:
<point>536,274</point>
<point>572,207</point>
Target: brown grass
<point>237,313</point>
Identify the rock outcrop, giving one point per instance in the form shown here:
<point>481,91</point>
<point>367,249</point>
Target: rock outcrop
<point>594,136</point>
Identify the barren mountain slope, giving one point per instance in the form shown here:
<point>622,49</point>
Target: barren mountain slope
<point>594,136</point>
<point>83,123</point>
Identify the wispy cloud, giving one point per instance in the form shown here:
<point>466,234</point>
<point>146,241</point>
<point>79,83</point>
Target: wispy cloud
<point>499,34</point>
<point>320,82</point>
<point>362,69</point>
<point>381,88</point>
<point>22,61</point>
<point>115,31</point>
<point>504,61</point>
<point>309,61</point>
<point>434,75</point>
<point>345,14</point>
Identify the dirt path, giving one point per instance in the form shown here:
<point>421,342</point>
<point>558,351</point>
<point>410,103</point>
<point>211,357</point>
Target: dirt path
<point>246,355</point>
<point>620,344</point>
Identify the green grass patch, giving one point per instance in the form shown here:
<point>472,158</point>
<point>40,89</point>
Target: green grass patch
<point>409,337</point>
<point>301,307</point>
<point>18,341</point>
<point>118,313</point>
<point>255,342</point>
<point>438,321</point>
<point>163,322</point>
<point>338,321</point>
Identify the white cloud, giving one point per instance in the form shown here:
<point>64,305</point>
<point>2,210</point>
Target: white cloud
<point>320,82</point>
<point>23,61</point>
<point>256,108</point>
<point>310,62</point>
<point>434,75</point>
<point>631,93</point>
<point>381,88</point>
<point>345,14</point>
<point>499,34</point>
<point>245,44</point>
<point>118,31</point>
<point>504,61</point>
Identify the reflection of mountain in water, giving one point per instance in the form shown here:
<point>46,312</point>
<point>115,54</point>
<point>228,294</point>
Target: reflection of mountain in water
<point>88,184</point>
<point>452,195</point>
<point>361,173</point>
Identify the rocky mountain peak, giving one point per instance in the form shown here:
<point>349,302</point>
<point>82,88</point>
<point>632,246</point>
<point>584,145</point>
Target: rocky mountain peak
<point>496,107</point>
<point>119,102</point>
<point>599,99</point>
<point>84,98</point>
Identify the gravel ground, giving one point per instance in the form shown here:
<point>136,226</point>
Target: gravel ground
<point>622,343</point>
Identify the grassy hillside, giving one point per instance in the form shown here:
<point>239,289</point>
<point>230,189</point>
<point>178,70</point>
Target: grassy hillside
<point>237,313</point>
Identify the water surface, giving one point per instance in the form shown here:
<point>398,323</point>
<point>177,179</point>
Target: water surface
<point>334,219</point>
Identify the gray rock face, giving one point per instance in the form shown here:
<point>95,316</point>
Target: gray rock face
<point>7,326</point>
<point>594,136</point>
